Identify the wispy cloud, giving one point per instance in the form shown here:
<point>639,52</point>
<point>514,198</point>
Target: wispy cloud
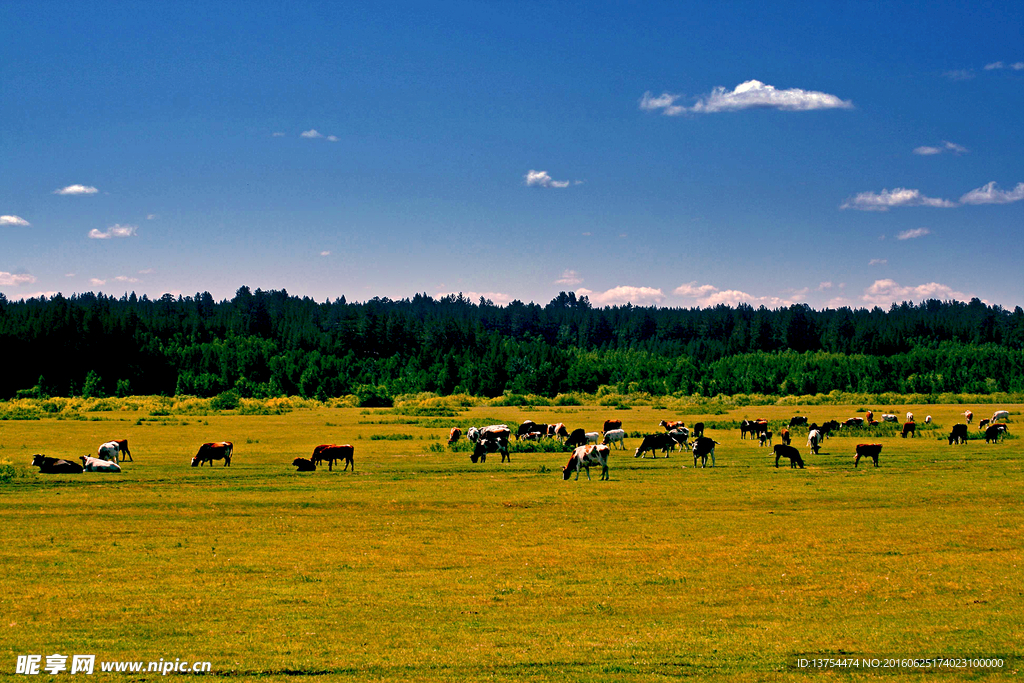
<point>990,194</point>
<point>76,189</point>
<point>13,220</point>
<point>959,74</point>
<point>151,216</point>
<point>277,135</point>
<point>946,146</point>
<point>887,199</point>
<point>113,231</point>
<point>878,262</point>
<point>33,295</point>
<point>624,294</point>
<point>125,278</point>
<point>570,278</point>
<point>709,295</point>
<point>824,285</point>
<point>1016,66</point>
<point>311,133</point>
<point>496,297</point>
<point>96,282</point>
<point>16,279</point>
<point>751,94</point>
<point>325,253</point>
<point>884,292</point>
<point>542,179</point>
<point>913,234</point>
<point>332,138</point>
<point>69,274</point>
<point>147,271</point>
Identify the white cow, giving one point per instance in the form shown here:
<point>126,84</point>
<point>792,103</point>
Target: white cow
<point>615,436</point>
<point>814,440</point>
<point>886,417</point>
<point>593,437</point>
<point>585,456</point>
<point>927,419</point>
<point>1000,415</point>
<point>108,451</point>
<point>910,416</point>
<point>98,465</point>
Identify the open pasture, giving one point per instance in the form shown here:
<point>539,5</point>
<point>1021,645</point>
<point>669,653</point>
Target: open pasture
<point>422,566</point>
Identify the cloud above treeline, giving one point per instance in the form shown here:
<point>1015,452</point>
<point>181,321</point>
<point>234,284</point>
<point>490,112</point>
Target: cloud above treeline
<point>16,279</point>
<point>885,292</point>
<point>495,297</point>
<point>900,196</point>
<point>751,94</point>
<point>76,189</point>
<point>13,220</point>
<point>709,295</point>
<point>116,230</point>
<point>570,278</point>
<point>623,294</point>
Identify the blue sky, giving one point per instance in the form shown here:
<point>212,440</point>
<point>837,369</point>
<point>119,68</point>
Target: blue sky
<point>680,154</point>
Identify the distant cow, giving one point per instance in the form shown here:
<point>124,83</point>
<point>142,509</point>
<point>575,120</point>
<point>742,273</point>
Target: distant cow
<point>993,432</point>
<point>669,425</point>
<point>108,451</point>
<point>927,419</point>
<point>854,422</point>
<point>969,416</point>
<point>559,431</point>
<point>785,436</point>
<point>615,436</point>
<point>887,417</point>
<point>909,429</point>
<point>702,448</point>
<point>48,465</point>
<point>764,437</point>
<point>698,430</point>
<point>654,442</point>
<point>96,465</point>
<point>784,451</point>
<point>798,421</point>
<point>577,438</point>
<point>610,425</point>
<point>586,457</point>
<point>492,442</point>
<point>330,452</point>
<point>473,434</point>
<point>304,465</point>
<point>958,435</point>
<point>910,416</point>
<point>1000,415</point>
<point>867,450</point>
<point>528,427</point>
<point>869,416</point>
<point>216,450</point>
<point>828,427</point>
<point>533,436</point>
<point>454,435</point>
<point>814,441</point>
<point>983,423</point>
<point>681,436</point>
<point>752,427</point>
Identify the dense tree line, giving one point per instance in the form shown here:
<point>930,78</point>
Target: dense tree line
<point>268,343</point>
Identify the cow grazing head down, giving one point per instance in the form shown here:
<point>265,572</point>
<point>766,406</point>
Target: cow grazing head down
<point>583,458</point>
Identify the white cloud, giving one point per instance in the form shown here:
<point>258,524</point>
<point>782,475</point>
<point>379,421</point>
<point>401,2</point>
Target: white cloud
<point>325,253</point>
<point>116,230</point>
<point>1016,66</point>
<point>587,234</point>
<point>838,302</point>
<point>277,135</point>
<point>542,179</point>
<point>884,292</point>
<point>151,216</point>
<point>69,274</point>
<point>125,278</point>
<point>496,297</point>
<point>824,285</point>
<point>994,65</point>
<point>76,189</point>
<point>989,194</point>
<point>332,138</point>
<point>13,220</point>
<point>33,295</point>
<point>570,278</point>
<point>709,295</point>
<point>96,282</point>
<point>623,294</point>
<point>959,74</point>
<point>147,271</point>
<point>16,279</point>
<point>946,146</point>
<point>878,262</point>
<point>751,94</point>
<point>886,199</point>
<point>913,234</point>
<point>311,133</point>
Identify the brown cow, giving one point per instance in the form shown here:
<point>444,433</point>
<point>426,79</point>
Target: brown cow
<point>122,447</point>
<point>867,450</point>
<point>909,428</point>
<point>329,453</point>
<point>215,450</point>
<point>454,435</point>
<point>609,425</point>
<point>669,425</point>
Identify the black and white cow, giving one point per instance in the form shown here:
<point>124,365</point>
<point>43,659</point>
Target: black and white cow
<point>586,457</point>
<point>702,448</point>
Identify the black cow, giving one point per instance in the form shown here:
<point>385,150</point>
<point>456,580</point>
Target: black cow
<point>993,432</point>
<point>48,465</point>
<point>702,448</point>
<point>577,438</point>
<point>958,435</point>
<point>867,450</point>
<point>798,421</point>
<point>827,427</point>
<point>304,465</point>
<point>764,436</point>
<point>698,430</point>
<point>528,427</point>
<point>653,442</point>
<point>784,451</point>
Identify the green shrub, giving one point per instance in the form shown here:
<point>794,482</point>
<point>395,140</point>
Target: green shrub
<point>226,400</point>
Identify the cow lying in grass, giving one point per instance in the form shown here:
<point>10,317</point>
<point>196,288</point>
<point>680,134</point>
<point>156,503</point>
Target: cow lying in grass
<point>784,451</point>
<point>90,464</point>
<point>48,465</point>
<point>584,457</point>
<point>304,465</point>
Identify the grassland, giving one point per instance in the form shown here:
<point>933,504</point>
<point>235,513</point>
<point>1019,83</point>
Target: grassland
<point>421,566</point>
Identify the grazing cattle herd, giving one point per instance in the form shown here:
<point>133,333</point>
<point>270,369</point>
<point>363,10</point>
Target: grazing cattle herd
<point>588,448</point>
